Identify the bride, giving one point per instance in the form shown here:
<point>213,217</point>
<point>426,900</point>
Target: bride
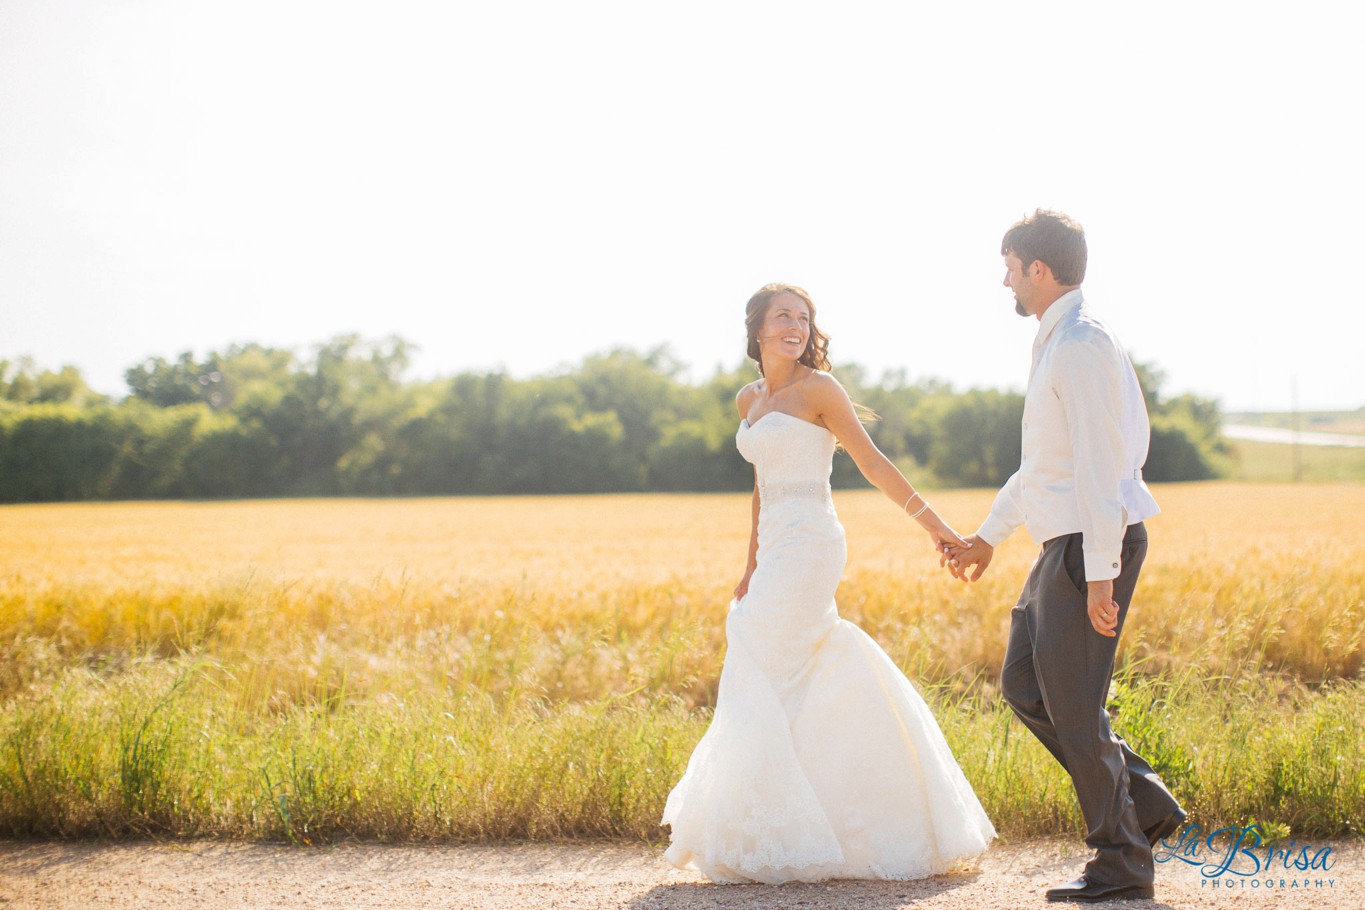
<point>821,761</point>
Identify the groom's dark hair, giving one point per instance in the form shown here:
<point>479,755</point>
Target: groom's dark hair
<point>1052,238</point>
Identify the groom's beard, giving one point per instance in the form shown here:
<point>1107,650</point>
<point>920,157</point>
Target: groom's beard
<point>1019,307</point>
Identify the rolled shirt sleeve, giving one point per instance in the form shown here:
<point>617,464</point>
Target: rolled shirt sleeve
<point>1088,381</point>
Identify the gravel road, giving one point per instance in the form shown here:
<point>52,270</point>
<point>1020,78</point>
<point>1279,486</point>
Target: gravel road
<point>219,876</point>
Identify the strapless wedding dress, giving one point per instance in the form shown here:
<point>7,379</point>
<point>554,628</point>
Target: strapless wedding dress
<point>821,761</point>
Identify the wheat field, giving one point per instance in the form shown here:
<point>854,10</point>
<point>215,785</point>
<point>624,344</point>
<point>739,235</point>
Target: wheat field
<point>541,667</point>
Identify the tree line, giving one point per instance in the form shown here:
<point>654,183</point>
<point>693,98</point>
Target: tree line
<point>254,421</point>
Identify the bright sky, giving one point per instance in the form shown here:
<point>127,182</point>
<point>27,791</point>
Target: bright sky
<point>520,184</point>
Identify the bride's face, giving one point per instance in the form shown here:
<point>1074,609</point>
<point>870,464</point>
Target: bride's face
<point>786,328</point>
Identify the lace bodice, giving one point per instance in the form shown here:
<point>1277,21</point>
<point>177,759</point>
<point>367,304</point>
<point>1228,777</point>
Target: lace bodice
<point>787,458</point>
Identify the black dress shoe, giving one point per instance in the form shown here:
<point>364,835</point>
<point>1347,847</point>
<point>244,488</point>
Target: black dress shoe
<point>1168,825</point>
<point>1088,892</point>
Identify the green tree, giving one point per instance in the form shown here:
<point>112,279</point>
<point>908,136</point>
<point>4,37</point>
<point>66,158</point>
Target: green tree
<point>22,382</point>
<point>552,441</point>
<point>457,444</point>
<point>258,421</point>
<point>53,452</point>
<point>696,451</point>
<point>642,391</point>
<point>215,381</point>
<point>977,437</point>
<point>1186,441</point>
<point>326,409</point>
<point>230,458</point>
<point>156,446</point>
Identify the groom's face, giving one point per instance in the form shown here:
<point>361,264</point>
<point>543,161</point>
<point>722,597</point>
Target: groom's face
<point>1018,280</point>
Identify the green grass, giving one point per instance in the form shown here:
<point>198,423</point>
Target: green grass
<point>1261,462</point>
<point>167,750</point>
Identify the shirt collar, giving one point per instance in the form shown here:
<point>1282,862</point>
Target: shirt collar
<point>1062,306</point>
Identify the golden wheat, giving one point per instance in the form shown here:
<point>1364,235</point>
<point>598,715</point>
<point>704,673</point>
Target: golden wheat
<point>292,653</point>
<point>586,594</point>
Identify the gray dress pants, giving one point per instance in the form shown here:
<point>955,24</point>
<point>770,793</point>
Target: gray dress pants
<point>1056,678</point>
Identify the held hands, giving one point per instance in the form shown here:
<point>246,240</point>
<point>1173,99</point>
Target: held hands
<point>941,535</point>
<point>974,554</point>
<point>945,538</point>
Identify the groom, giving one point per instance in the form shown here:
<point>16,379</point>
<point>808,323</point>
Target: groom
<point>1079,489</point>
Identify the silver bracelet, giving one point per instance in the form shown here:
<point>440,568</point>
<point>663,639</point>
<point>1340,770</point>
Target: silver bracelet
<point>921,509</point>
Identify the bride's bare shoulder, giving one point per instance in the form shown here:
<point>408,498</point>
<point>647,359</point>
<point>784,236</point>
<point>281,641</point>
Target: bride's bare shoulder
<point>746,397</point>
<point>823,383</point>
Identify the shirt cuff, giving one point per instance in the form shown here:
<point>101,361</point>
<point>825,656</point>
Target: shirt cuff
<point>993,530</point>
<point>1102,566</point>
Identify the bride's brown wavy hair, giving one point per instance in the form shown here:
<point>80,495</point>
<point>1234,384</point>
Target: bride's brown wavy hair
<point>816,354</point>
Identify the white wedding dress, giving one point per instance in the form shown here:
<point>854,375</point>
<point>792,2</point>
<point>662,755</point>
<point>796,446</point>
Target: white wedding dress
<point>822,761</point>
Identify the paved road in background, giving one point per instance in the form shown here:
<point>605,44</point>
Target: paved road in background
<point>1275,434</point>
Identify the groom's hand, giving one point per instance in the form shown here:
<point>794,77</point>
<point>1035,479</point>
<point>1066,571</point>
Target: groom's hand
<point>977,556</point>
<point>1100,605</point>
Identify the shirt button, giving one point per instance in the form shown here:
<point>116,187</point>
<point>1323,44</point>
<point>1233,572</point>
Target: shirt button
<point>1116,565</point>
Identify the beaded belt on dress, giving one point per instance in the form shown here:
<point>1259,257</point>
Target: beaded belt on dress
<point>772,492</point>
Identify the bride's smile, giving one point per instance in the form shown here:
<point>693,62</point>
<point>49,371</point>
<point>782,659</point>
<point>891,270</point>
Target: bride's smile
<point>786,328</point>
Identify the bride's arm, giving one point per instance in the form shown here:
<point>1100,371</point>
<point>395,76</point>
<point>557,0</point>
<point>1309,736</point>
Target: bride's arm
<point>838,415</point>
<point>743,401</point>
<point>752,562</point>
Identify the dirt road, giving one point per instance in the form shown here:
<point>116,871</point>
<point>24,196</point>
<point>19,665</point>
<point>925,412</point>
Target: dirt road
<point>216,876</point>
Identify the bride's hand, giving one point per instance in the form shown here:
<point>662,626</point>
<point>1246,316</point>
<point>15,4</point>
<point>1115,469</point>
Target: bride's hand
<point>946,542</point>
<point>743,587</point>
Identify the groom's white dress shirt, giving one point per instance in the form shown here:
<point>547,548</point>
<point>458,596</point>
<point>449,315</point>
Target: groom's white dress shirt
<point>1085,441</point>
